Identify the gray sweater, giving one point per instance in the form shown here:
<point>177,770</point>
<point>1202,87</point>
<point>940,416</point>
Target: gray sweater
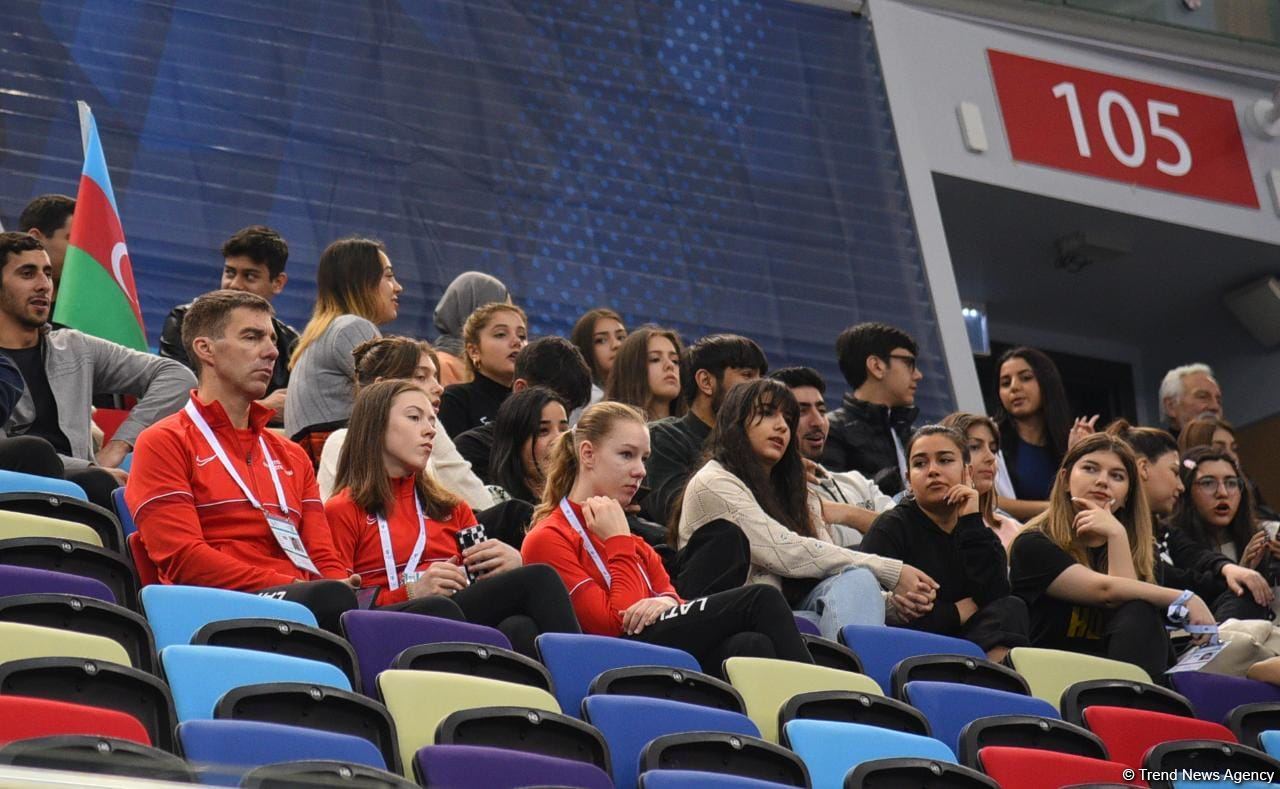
<point>320,387</point>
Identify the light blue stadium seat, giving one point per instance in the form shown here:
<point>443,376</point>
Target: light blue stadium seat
<point>17,482</point>
<point>949,706</point>
<point>880,648</point>
<point>200,675</point>
<point>575,660</point>
<point>1270,742</point>
<point>831,748</point>
<point>230,748</point>
<point>177,612</point>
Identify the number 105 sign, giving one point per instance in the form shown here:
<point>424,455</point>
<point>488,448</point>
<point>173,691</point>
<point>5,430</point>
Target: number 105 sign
<point>1122,129</point>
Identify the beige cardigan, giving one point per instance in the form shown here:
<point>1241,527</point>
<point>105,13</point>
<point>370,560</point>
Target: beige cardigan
<point>776,551</point>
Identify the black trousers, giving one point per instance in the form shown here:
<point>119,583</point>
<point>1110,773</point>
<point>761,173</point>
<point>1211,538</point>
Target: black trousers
<point>507,521</point>
<point>33,455</point>
<point>716,559</point>
<point>1003,622</point>
<point>1134,632</point>
<point>1227,606</point>
<point>750,621</point>
<point>522,603</point>
<point>329,600</point>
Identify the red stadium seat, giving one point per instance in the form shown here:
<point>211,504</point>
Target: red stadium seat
<point>1129,733</point>
<point>1028,768</point>
<point>23,717</point>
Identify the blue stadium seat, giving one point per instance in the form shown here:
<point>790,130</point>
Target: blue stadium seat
<point>575,660</point>
<point>199,676</point>
<point>880,648</point>
<point>122,512</point>
<point>177,612</point>
<point>692,779</point>
<point>230,748</point>
<point>629,723</point>
<point>1270,741</point>
<point>831,748</point>
<point>17,482</point>
<point>949,707</point>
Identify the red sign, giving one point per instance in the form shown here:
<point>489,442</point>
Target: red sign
<point>1122,129</point>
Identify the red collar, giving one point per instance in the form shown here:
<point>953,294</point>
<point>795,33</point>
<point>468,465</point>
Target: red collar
<point>216,415</point>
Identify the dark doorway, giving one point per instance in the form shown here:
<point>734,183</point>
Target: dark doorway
<point>1094,386</point>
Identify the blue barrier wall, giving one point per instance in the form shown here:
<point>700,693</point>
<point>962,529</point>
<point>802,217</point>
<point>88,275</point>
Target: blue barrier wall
<point>709,164</point>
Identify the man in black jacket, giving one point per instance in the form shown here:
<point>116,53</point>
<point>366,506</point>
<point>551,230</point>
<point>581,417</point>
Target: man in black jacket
<point>873,423</point>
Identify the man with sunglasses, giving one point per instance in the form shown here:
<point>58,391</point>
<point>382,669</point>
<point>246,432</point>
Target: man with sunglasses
<point>871,426</point>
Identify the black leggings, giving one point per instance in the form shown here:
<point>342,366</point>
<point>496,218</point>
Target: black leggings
<point>716,558</point>
<point>750,621</point>
<point>1003,622</point>
<point>522,603</point>
<point>1134,632</point>
<point>329,600</point>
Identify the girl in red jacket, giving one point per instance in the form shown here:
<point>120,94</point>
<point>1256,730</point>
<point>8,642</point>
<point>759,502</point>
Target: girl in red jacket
<point>616,581</point>
<point>401,528</point>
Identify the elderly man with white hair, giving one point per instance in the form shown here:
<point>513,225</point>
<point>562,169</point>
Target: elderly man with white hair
<point>1187,392</point>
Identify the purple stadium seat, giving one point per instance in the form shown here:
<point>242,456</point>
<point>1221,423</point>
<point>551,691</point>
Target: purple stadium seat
<point>378,636</point>
<point>498,768</point>
<point>807,627</point>
<point>1214,696</point>
<point>16,580</point>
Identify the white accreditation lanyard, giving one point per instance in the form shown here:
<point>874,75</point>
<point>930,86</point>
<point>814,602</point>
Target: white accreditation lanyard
<point>572,517</point>
<point>282,529</point>
<point>389,556</point>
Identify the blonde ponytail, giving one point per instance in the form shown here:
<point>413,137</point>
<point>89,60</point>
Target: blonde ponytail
<point>595,425</point>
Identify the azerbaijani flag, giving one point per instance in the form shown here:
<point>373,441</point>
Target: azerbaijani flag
<point>97,294</point>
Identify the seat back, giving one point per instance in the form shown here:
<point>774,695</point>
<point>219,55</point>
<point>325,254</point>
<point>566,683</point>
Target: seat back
<point>950,707</point>
<point>1270,742</point>
<point>1027,768</point>
<point>18,482</point>
<point>915,774</point>
<point>68,508</point>
<point>322,772</point>
<point>199,676</point>
<point>26,717</point>
<point>499,768</point>
<point>673,684</point>
<point>831,748</point>
<point>522,729</point>
<point>177,613</point>
<point>378,636</point>
<point>97,684</point>
<point>766,684</point>
<point>17,525</point>
<point>1028,731</point>
<point>15,580</point>
<point>870,709</point>
<point>731,754</point>
<point>87,616</point>
<point>576,660</point>
<point>1248,721</point>
<point>629,723</point>
<point>19,641</point>
<point>1121,693</point>
<point>227,749</point>
<point>880,648</point>
<point>1130,733</point>
<point>282,637</point>
<point>698,779</point>
<point>475,660</point>
<point>832,654</point>
<point>1050,672</point>
<point>86,753</point>
<point>123,514</point>
<point>148,572</point>
<point>420,700</point>
<point>76,558</point>
<point>1214,696</point>
<point>1211,757</point>
<point>963,669</point>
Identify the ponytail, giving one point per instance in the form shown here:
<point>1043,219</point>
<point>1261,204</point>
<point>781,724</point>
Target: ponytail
<point>595,425</point>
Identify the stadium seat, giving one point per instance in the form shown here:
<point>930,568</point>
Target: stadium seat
<point>420,700</point>
<point>1028,768</point>
<point>1270,742</point>
<point>915,774</point>
<point>76,558</point>
<point>693,779</point>
<point>224,750</point>
<point>807,627</point>
<point>86,615</point>
<point>852,707</point>
<point>766,684</point>
<point>1028,731</point>
<point>881,648</point>
<point>475,660</point>
<point>20,641</point>
<point>1050,672</point>
<point>146,569</point>
<point>16,580</point>
<point>199,676</point>
<point>832,654</point>
<point>68,508</point>
<point>123,515</point>
<point>282,637</point>
<point>314,707</point>
<point>522,729</point>
<point>25,717</point>
<point>449,766</point>
<point>830,749</point>
<point>1121,693</point>
<point>964,669</point>
<point>1128,733</point>
<point>725,754</point>
<point>96,684</point>
<point>949,706</point>
<point>576,660</point>
<point>86,753</point>
<point>322,773</point>
<point>17,482</point>
<point>629,723</point>
<point>17,525</point>
<point>177,613</point>
<point>673,684</point>
<point>1209,757</point>
<point>1248,721</point>
<point>1214,696</point>
<point>379,636</point>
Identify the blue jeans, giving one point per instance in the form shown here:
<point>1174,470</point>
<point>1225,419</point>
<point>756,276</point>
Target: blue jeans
<point>851,597</point>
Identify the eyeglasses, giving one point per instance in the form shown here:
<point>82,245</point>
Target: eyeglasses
<point>1210,484</point>
<point>907,359</point>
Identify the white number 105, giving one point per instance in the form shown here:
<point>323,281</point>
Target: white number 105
<point>1110,99</point>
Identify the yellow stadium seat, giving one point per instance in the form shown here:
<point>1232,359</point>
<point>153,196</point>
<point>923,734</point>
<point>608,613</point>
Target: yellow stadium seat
<point>20,641</point>
<point>1050,672</point>
<point>14,525</point>
<point>767,684</point>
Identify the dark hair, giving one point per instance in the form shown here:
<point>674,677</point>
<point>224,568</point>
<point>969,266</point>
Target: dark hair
<point>716,353</point>
<point>555,363</point>
<point>950,433</point>
<point>390,357</point>
<point>1148,442</point>
<point>800,376</point>
<point>782,493</point>
<point>347,279</point>
<point>210,313</point>
<point>629,381</point>
<point>16,244</point>
<point>584,337</point>
<point>260,244</point>
<point>518,420</point>
<point>1054,406</point>
<point>1242,526</point>
<point>46,213</point>
<point>856,343</point>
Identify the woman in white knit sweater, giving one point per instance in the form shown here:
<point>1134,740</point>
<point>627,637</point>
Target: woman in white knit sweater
<point>754,479</point>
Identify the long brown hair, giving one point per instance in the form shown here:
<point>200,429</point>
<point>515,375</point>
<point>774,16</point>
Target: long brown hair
<point>477,322</point>
<point>595,425</point>
<point>1199,432</point>
<point>962,421</point>
<point>390,357</point>
<point>360,467</point>
<point>584,337</point>
<point>629,381</point>
<point>347,279</point>
<point>1057,523</point>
